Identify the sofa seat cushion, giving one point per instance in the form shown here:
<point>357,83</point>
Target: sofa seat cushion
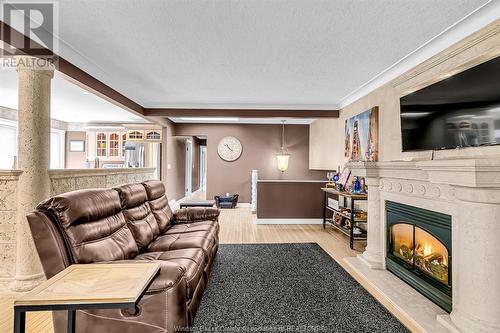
<point>196,214</point>
<point>192,262</point>
<point>211,226</point>
<point>198,240</point>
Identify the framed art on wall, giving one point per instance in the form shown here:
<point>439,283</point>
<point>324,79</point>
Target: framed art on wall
<point>77,146</point>
<point>361,136</point>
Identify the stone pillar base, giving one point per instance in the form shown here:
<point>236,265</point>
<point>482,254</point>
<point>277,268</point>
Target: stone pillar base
<point>372,261</point>
<point>464,324</point>
<point>26,283</point>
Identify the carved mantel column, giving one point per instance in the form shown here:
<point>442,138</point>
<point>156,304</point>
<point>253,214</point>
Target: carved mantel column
<point>33,153</point>
<point>476,235</point>
<point>373,256</point>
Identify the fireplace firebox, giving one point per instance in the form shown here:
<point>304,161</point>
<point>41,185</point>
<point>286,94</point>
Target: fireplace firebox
<point>419,250</point>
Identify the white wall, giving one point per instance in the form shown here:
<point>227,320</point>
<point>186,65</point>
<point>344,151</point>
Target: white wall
<point>8,152</point>
<point>473,50</point>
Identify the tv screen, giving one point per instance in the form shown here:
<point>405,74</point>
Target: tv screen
<point>460,111</point>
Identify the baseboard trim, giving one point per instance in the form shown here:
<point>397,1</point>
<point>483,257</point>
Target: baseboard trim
<point>243,205</point>
<point>288,221</point>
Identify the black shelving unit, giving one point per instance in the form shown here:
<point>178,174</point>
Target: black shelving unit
<point>339,212</point>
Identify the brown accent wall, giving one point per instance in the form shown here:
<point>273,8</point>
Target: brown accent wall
<point>75,160</point>
<point>260,145</point>
<point>290,200</point>
<point>174,167</point>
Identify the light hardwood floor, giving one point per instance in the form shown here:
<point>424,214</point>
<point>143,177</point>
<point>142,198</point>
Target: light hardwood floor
<point>236,226</point>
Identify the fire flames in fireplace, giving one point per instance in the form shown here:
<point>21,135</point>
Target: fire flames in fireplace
<point>422,249</point>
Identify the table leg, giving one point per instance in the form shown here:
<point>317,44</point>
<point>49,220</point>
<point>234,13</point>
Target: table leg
<point>71,321</point>
<point>324,210</point>
<point>351,238</point>
<point>19,321</point>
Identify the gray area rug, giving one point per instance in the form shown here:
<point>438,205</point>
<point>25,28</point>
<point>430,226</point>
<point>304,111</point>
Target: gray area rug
<point>286,288</point>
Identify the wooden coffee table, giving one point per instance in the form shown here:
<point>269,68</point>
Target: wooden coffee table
<point>90,286</point>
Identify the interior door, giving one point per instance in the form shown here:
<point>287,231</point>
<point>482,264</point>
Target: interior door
<point>189,167</point>
<point>203,168</point>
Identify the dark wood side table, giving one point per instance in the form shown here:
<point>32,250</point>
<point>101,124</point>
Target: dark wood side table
<point>341,212</point>
<point>89,286</point>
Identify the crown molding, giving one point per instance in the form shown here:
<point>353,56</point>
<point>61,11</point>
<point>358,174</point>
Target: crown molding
<point>241,106</point>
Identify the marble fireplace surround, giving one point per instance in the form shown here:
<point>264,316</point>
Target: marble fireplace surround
<point>469,191</point>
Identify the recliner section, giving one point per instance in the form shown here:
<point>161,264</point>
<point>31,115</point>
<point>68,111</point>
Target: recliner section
<point>127,224</point>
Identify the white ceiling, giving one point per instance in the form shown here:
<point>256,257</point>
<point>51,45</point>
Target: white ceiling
<point>259,53</point>
<point>69,102</point>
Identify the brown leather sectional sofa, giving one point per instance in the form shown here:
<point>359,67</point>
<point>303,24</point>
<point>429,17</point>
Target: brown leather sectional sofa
<point>127,224</point>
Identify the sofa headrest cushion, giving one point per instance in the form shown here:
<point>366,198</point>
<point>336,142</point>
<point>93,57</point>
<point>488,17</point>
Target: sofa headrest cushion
<point>154,188</point>
<point>132,195</point>
<point>82,206</point>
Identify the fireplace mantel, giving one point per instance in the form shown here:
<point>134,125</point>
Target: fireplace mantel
<point>459,172</point>
<point>469,191</point>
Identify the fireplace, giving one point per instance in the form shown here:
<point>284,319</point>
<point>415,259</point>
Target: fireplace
<point>419,250</point>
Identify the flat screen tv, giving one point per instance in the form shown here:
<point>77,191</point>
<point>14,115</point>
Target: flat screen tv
<point>457,112</point>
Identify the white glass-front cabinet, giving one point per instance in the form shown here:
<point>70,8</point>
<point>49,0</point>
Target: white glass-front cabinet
<point>114,145</point>
<point>153,135</point>
<point>147,135</point>
<point>124,140</point>
<point>101,144</point>
<point>135,135</point>
<point>110,145</point>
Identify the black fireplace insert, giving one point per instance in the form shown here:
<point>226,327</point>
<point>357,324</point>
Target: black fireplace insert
<point>419,250</point>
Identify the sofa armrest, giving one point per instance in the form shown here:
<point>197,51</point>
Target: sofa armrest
<point>196,214</point>
<point>163,308</point>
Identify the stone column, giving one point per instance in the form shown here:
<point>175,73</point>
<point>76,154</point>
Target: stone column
<point>476,262</point>
<point>475,239</point>
<point>373,256</point>
<point>33,160</point>
<point>255,178</point>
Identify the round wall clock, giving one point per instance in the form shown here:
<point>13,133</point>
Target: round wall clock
<point>229,148</point>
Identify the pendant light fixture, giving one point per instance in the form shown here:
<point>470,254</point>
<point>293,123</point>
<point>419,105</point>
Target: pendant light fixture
<point>283,156</point>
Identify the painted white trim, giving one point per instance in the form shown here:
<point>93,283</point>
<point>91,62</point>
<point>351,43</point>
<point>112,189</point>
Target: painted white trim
<point>188,168</point>
<point>260,121</point>
<point>8,122</point>
<point>245,106</point>
<point>62,146</point>
<point>243,205</point>
<point>470,24</point>
<point>288,221</point>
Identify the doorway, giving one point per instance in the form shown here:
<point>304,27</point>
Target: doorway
<point>188,168</point>
<point>203,168</point>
